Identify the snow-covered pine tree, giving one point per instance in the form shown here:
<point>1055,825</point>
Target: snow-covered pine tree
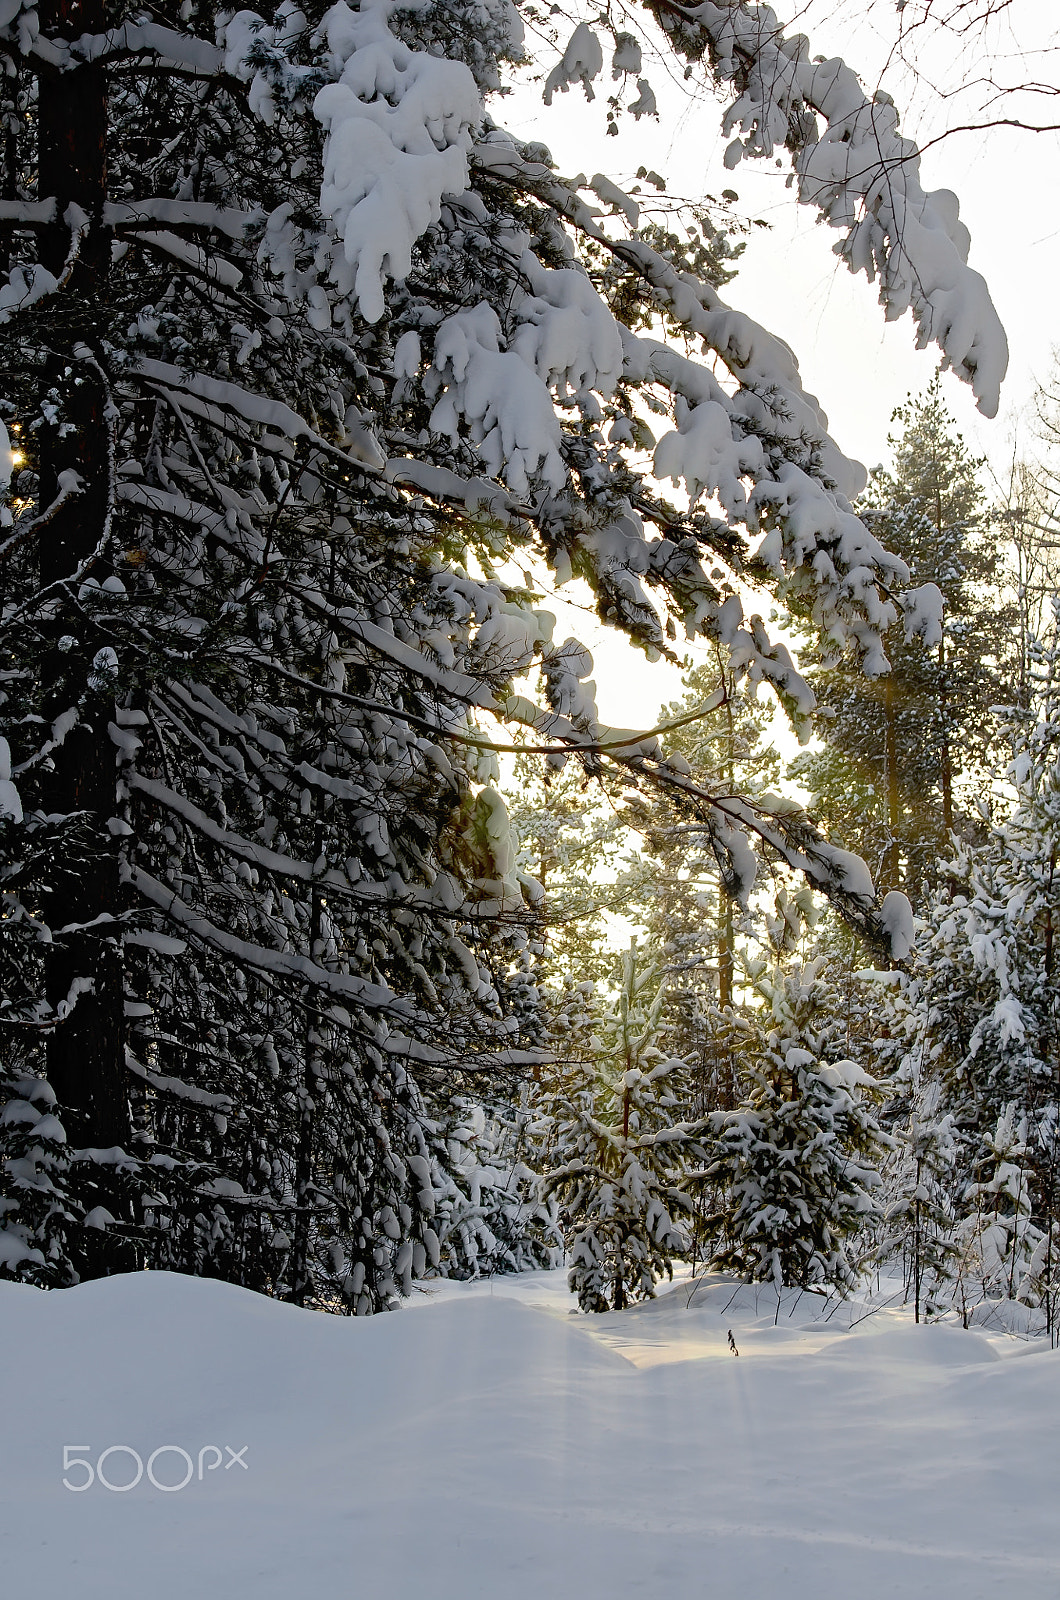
<point>266,973</point>
<point>622,1149</point>
<point>892,779</point>
<point>979,1004</point>
<point>920,1221</point>
<point>799,1158</point>
<point>495,1219</point>
<point>299,343</point>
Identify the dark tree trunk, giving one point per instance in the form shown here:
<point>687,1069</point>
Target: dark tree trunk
<point>9,181</point>
<point>312,1089</point>
<point>726,932</point>
<point>84,968</point>
<point>945,751</point>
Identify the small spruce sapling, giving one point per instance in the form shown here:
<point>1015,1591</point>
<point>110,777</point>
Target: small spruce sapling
<point>622,1152</point>
<point>920,1223</point>
<point>1002,1245</point>
<point>799,1156</point>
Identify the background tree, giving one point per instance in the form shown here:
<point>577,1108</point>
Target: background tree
<point>898,746</point>
<point>682,887</point>
<point>977,1015</point>
<point>572,845</point>
<point>622,1149</point>
<point>799,1157</point>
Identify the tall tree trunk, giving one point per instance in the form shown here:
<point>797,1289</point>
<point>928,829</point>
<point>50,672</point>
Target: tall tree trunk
<point>726,953</point>
<point>726,934</point>
<point>84,967</point>
<point>892,869</point>
<point>945,750</point>
<point>9,145</point>
<point>918,1259</point>
<point>310,1093</point>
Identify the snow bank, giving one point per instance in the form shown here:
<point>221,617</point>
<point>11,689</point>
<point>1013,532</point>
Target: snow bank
<point>490,1442</point>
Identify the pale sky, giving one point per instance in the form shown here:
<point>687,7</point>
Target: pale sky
<point>859,367</point>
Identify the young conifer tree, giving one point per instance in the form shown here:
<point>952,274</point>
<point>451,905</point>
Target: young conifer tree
<point>979,1002</point>
<point>799,1158</point>
<point>920,1220</point>
<point>1003,1246</point>
<point>621,1152</point>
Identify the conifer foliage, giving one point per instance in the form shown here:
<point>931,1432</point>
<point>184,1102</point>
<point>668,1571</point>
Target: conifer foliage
<point>621,1155</point>
<point>893,779</point>
<point>975,1023</point>
<point>298,342</point>
<point>800,1156</point>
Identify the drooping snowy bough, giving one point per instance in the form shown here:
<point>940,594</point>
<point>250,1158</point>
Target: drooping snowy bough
<point>301,351</point>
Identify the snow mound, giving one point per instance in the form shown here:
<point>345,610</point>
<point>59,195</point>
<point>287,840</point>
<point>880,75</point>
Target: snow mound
<point>935,1344</point>
<point>1007,1316</point>
<point>489,1442</point>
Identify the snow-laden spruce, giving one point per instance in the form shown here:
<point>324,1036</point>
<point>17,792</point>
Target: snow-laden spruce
<point>975,1022</point>
<point>300,345</point>
<point>800,1156</point>
<point>620,1154</point>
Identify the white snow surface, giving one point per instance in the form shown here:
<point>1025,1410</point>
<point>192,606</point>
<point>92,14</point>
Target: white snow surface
<point>488,1442</point>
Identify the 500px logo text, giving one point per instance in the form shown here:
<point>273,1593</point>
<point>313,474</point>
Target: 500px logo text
<point>164,1472</point>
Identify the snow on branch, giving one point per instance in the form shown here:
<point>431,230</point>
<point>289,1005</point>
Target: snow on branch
<point>855,167</point>
<point>783,827</point>
<point>182,52</point>
<point>10,801</point>
<point>398,135</point>
<point>260,411</point>
<point>171,49</point>
<point>581,62</point>
<point>228,220</point>
<point>763,451</point>
<point>263,958</point>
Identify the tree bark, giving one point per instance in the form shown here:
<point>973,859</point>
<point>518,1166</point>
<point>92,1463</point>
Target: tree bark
<point>83,965</point>
<point>726,955</point>
<point>945,751</point>
<point>892,870</point>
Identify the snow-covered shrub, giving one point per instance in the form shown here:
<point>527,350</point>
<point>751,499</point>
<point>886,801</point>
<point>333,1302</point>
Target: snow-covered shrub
<point>494,1219</point>
<point>621,1152</point>
<point>35,1211</point>
<point>799,1157</point>
<point>919,1225</point>
<point>1002,1249</point>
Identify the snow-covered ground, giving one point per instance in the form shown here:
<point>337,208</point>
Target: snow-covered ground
<point>487,1442</point>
